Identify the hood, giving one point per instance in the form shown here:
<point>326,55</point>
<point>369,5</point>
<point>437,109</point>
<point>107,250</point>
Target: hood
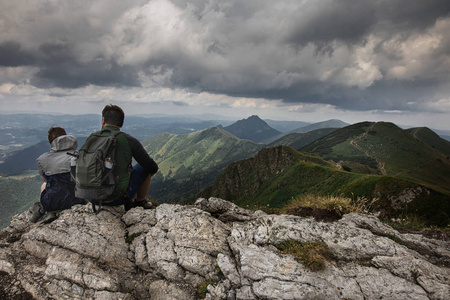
<point>64,142</point>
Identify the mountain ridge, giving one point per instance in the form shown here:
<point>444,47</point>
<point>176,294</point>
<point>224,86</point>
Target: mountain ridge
<point>431,138</point>
<point>332,123</point>
<point>259,181</point>
<point>389,149</point>
<point>299,140</point>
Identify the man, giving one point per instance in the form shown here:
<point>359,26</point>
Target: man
<point>57,191</point>
<point>133,184</point>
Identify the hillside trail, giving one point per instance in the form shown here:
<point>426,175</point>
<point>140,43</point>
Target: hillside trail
<point>415,133</point>
<point>381,164</point>
<point>353,142</point>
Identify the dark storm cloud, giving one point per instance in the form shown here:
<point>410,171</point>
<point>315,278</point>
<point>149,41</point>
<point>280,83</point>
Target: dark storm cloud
<point>12,55</point>
<point>351,20</point>
<point>380,94</point>
<point>59,67</point>
<point>380,54</point>
<point>413,14</point>
<point>325,22</point>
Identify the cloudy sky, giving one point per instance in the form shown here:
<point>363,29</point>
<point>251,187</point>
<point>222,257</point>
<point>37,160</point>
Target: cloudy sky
<point>306,60</point>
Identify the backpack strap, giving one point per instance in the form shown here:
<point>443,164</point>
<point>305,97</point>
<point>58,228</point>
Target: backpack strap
<point>74,155</point>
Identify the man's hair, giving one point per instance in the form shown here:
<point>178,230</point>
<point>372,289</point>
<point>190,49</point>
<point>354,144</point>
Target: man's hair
<point>113,115</point>
<point>54,132</point>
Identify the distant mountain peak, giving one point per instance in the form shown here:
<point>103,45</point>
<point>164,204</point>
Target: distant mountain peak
<point>253,128</point>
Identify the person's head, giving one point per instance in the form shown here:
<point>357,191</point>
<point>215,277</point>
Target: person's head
<point>54,132</point>
<point>113,115</point>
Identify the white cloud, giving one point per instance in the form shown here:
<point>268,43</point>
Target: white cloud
<point>152,31</point>
<point>419,55</point>
<point>17,75</point>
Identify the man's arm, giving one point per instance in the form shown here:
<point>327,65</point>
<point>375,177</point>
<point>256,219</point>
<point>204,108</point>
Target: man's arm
<point>141,156</point>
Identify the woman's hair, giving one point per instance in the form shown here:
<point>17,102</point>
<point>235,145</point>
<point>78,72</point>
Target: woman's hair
<point>54,132</point>
<point>113,115</point>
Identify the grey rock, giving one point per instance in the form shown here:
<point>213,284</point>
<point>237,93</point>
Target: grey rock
<point>168,252</point>
<point>162,289</point>
<point>218,291</point>
<point>225,210</point>
<point>229,269</point>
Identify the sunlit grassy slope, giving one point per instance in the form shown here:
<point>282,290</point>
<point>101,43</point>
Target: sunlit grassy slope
<point>390,151</point>
<point>198,151</point>
<point>189,162</point>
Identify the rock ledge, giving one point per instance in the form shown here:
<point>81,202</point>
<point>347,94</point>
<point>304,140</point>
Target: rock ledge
<point>169,252</point>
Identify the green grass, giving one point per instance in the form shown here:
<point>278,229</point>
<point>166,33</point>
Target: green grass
<point>203,288</point>
<point>197,152</point>
<point>411,222</point>
<point>341,205</point>
<point>390,150</point>
<point>302,178</point>
<point>189,162</point>
<point>266,182</point>
<point>312,255</point>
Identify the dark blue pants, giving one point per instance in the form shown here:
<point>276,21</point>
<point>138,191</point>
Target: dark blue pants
<point>137,178</point>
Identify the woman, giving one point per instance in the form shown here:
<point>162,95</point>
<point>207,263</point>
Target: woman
<point>57,191</point>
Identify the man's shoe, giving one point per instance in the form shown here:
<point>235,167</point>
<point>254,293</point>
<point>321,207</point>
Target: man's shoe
<point>36,212</point>
<point>130,204</point>
<point>144,203</point>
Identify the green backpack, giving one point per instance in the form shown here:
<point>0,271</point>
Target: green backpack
<point>93,167</point>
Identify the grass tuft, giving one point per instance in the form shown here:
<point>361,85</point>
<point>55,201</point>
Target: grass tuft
<point>203,288</point>
<point>341,205</point>
<point>414,223</point>
<point>312,254</point>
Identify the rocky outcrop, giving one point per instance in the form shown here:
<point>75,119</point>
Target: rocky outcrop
<point>174,251</point>
<point>246,177</point>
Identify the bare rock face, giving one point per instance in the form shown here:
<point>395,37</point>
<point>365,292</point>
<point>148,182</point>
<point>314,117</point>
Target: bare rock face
<point>214,250</point>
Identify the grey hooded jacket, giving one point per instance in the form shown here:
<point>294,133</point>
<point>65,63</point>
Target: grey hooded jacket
<point>57,161</point>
